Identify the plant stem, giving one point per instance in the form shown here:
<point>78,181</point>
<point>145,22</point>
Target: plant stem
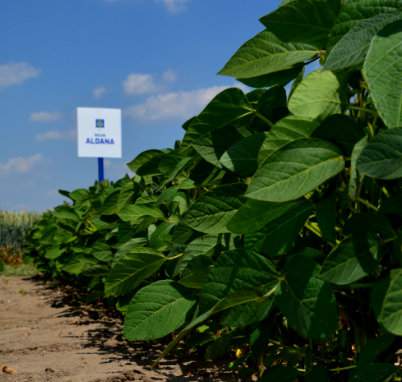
<point>264,118</point>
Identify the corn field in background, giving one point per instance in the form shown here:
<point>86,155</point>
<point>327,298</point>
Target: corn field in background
<point>14,228</point>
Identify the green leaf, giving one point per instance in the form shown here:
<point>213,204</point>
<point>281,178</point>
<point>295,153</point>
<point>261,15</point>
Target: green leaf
<point>281,78</point>
<point>238,271</point>
<point>135,212</point>
<point>280,234</point>
<point>265,54</point>
<point>317,95</point>
<point>382,156</point>
<point>157,310</point>
<point>355,11</point>
<point>66,214</point>
<point>285,131</point>
<point>227,107</point>
<point>53,253</point>
<point>355,179</point>
<point>79,265</point>
<point>242,156</point>
<point>387,302</point>
<point>342,267</point>
<point>143,159</point>
<point>211,213</point>
<point>255,215</point>
<point>382,70</point>
<point>342,131</point>
<point>307,302</point>
<point>306,21</point>
<point>295,170</point>
<point>201,246</point>
<point>131,269</point>
<point>351,49</point>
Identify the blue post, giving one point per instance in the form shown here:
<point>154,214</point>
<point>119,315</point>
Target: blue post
<point>101,169</point>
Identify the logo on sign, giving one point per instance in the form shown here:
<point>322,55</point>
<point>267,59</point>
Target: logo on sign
<point>100,123</point>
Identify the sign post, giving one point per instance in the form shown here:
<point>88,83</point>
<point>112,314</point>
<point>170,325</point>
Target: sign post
<point>101,169</point>
<point>99,135</point>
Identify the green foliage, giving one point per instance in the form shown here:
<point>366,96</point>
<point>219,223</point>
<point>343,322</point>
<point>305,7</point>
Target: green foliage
<point>273,229</point>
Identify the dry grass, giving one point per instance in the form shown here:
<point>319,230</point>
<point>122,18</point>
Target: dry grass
<point>14,228</point>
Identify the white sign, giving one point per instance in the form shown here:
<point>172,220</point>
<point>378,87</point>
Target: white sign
<point>99,133</point>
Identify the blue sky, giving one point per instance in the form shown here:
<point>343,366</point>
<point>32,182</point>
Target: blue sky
<point>155,59</point>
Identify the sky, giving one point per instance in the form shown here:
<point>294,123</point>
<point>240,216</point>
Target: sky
<point>157,60</point>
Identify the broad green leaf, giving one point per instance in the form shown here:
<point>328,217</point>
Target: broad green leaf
<point>117,200</point>
<point>351,49</point>
<point>354,178</point>
<point>342,131</point>
<point>287,130</point>
<point>342,267</point>
<point>355,11</point>
<point>157,310</point>
<point>239,272</point>
<point>102,252</point>
<point>54,253</point>
<point>265,54</point>
<point>281,78</point>
<point>254,215</point>
<point>201,246</point>
<point>131,269</point>
<point>196,272</point>
<point>66,214</point>
<point>242,157</point>
<point>307,302</point>
<point>295,170</point>
<point>387,302</point>
<point>227,107</point>
<point>382,156</point>
<point>317,95</point>
<point>143,159</point>
<point>247,314</point>
<point>79,265</point>
<point>161,237</point>
<point>208,142</point>
<point>306,21</point>
<point>135,212</point>
<point>211,213</point>
<point>279,235</point>
<point>382,70</point>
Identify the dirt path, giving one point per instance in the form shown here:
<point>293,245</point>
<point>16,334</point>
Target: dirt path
<point>43,339</point>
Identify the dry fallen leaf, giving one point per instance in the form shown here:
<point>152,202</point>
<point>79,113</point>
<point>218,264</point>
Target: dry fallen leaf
<point>8,370</point>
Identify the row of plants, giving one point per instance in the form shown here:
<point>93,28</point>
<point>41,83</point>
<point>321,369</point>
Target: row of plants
<point>270,235</point>
<point>15,227</point>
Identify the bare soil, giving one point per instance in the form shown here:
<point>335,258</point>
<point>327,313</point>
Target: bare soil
<point>48,335</point>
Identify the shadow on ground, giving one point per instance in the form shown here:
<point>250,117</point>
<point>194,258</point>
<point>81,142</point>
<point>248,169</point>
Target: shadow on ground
<point>105,331</point>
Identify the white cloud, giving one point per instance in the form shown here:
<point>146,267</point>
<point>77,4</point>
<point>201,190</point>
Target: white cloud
<point>175,6</point>
<point>45,116</point>
<point>16,73</point>
<point>172,6</point>
<point>56,135</point>
<point>99,92</point>
<point>139,83</point>
<point>173,105</point>
<point>169,76</point>
<point>20,165</point>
